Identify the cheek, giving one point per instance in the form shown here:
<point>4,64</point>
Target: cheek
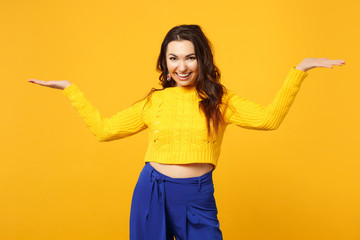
<point>170,67</point>
<point>194,67</point>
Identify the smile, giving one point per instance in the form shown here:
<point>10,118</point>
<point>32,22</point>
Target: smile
<point>181,76</point>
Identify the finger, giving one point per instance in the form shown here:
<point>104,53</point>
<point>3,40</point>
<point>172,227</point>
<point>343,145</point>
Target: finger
<point>336,62</point>
<point>327,66</point>
<point>33,81</point>
<point>339,61</point>
<point>38,82</point>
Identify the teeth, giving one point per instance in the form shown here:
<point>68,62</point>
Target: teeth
<point>183,75</point>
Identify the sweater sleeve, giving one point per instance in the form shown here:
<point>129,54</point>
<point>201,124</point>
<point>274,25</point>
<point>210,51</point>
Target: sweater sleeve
<point>125,123</point>
<point>248,114</point>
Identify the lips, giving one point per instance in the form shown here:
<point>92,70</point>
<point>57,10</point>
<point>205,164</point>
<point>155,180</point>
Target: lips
<point>183,76</point>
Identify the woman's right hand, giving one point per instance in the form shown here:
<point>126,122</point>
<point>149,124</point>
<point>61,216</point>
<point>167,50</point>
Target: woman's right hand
<point>52,84</point>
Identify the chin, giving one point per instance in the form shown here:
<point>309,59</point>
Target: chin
<point>184,84</point>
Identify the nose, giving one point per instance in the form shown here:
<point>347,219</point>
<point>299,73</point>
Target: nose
<point>182,66</point>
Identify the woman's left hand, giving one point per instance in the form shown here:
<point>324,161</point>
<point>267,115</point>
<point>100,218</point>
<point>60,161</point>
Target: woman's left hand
<point>309,63</point>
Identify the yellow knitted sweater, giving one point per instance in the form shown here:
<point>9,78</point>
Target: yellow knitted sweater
<point>177,127</point>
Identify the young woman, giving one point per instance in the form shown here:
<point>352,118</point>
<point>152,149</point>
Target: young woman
<point>174,195</point>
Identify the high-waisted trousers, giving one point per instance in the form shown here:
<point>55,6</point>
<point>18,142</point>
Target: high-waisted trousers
<point>163,207</point>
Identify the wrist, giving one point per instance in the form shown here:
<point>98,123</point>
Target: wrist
<point>66,85</point>
<point>301,68</point>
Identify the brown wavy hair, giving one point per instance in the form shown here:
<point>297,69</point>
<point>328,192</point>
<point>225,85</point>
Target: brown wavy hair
<point>208,85</point>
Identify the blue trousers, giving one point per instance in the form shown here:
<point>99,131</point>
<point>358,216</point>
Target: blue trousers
<point>163,207</point>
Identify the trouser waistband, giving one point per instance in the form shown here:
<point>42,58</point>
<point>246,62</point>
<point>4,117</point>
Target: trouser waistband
<point>159,177</point>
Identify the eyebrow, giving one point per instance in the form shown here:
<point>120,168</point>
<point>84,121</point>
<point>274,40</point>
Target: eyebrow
<point>185,56</point>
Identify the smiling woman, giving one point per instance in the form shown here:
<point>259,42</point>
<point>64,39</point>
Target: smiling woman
<point>186,50</point>
<point>186,119</point>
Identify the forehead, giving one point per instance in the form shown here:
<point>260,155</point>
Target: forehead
<point>182,47</point>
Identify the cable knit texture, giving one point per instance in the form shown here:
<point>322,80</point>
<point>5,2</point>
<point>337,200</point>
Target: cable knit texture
<point>177,126</point>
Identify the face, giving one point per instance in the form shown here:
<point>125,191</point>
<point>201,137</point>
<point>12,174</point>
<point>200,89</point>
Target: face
<point>182,63</point>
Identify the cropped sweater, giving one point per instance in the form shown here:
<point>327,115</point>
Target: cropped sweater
<point>177,126</point>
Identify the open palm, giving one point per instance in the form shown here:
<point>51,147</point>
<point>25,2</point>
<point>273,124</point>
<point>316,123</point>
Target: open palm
<point>309,63</point>
<point>62,84</point>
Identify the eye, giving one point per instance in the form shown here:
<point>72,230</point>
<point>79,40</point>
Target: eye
<point>172,58</point>
<point>192,58</point>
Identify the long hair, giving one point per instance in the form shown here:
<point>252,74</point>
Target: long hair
<point>208,85</point>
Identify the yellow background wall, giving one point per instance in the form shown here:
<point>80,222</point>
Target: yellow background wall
<point>298,182</point>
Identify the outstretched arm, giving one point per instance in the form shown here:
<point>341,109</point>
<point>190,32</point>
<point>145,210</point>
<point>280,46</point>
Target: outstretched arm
<point>125,123</point>
<point>248,114</point>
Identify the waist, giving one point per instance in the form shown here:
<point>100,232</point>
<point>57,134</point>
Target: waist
<point>167,155</point>
<point>183,170</point>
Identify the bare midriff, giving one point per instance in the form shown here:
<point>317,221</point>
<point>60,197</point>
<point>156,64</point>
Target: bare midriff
<point>183,170</point>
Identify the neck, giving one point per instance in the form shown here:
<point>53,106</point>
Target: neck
<point>186,89</point>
